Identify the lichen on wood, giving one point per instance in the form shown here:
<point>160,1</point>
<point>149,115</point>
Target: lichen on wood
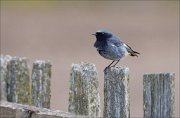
<point>84,97</point>
<point>40,87</point>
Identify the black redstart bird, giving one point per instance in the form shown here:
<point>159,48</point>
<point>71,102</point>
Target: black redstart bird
<point>111,47</point>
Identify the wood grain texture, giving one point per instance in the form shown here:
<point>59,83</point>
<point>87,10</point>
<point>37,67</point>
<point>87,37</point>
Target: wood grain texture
<point>159,93</point>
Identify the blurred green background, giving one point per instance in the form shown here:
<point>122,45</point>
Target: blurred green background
<point>60,31</point>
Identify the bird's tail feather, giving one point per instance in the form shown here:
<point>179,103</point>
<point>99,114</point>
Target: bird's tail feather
<point>133,53</point>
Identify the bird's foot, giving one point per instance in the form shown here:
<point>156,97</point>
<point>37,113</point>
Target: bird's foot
<point>107,67</point>
<point>113,65</point>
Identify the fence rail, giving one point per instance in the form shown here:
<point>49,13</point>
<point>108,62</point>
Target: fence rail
<point>84,99</point>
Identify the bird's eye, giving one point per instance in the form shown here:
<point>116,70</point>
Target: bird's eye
<point>100,33</point>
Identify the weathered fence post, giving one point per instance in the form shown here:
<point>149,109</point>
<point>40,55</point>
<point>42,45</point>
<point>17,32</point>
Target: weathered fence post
<point>83,95</point>
<point>159,95</point>
<point>3,80</point>
<point>116,93</point>
<point>18,82</point>
<point>40,87</point>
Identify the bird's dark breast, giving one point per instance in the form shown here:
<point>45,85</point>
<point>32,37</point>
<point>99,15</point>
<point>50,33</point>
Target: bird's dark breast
<point>99,44</point>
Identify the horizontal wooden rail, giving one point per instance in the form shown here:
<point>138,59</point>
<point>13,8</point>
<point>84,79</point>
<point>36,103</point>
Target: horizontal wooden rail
<point>15,110</point>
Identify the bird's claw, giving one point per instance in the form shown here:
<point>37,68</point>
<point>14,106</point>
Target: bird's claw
<point>107,67</point>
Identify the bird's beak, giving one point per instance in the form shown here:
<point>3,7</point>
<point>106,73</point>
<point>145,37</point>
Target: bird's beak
<point>94,34</point>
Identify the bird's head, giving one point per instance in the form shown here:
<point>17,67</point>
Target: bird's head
<point>102,34</point>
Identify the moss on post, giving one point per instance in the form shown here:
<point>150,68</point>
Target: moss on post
<point>116,93</point>
<point>18,82</point>
<point>40,88</point>
<point>159,95</point>
<point>83,95</point>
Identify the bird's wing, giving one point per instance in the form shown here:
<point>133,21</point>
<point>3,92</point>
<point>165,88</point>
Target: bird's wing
<point>115,41</point>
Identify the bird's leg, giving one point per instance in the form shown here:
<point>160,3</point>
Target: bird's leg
<point>111,64</point>
<point>116,63</point>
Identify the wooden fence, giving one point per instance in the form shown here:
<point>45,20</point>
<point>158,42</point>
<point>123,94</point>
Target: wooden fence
<point>30,98</point>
